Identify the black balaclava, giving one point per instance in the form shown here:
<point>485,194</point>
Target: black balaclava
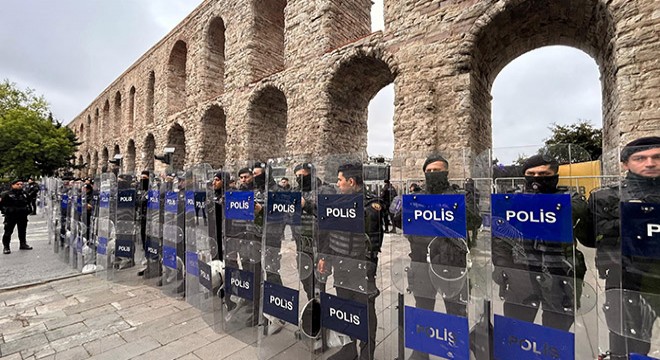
<point>437,182</point>
<point>540,184</point>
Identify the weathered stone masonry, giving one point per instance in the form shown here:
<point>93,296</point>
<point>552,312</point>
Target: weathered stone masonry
<point>240,79</point>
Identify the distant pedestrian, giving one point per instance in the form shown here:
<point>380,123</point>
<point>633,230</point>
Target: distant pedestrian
<point>32,191</point>
<point>15,206</point>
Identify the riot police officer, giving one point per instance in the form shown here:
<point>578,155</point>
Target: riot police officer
<point>530,273</point>
<point>220,180</point>
<point>626,274</point>
<point>15,205</point>
<point>354,246</point>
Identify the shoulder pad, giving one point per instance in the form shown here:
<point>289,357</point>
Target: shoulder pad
<point>376,206</point>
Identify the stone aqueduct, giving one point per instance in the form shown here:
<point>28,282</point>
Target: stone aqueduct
<point>245,79</point>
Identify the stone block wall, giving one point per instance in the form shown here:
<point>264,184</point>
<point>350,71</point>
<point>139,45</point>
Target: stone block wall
<point>247,79</point>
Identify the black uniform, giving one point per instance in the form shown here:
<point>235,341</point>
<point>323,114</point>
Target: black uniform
<point>353,246</point>
<point>16,207</point>
<point>32,193</point>
<point>444,252</point>
<point>524,272</point>
<point>629,273</point>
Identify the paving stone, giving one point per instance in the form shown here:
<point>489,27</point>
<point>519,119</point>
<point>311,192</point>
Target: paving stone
<point>104,344</point>
<point>30,342</point>
<point>180,330</point>
<point>63,321</point>
<point>73,329</point>
<point>220,349</point>
<point>176,348</point>
<point>75,353</point>
<point>129,350</point>
<point>23,332</point>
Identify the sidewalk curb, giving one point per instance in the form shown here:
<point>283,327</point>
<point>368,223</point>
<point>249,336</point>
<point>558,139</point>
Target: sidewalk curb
<point>37,283</point>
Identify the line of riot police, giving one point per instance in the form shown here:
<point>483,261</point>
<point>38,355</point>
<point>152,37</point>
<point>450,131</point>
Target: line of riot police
<point>492,257</point>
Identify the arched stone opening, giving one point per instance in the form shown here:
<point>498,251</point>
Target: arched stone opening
<point>267,116</point>
<point>148,152</point>
<point>107,124</point>
<point>81,163</point>
<point>214,78</point>
<point>176,138</point>
<point>104,160</point>
<point>150,101</point>
<point>88,134</point>
<point>95,163</point>
<point>350,90</point>
<point>89,169</point>
<point>131,108</point>
<point>97,129</point>
<point>520,26</point>
<point>176,78</point>
<point>214,136</point>
<point>129,160</point>
<point>117,112</point>
<point>81,136</point>
<point>268,37</point>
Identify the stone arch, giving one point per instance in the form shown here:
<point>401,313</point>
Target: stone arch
<point>95,163</point>
<point>148,152</point>
<point>151,98</point>
<point>81,135</point>
<point>107,122</point>
<point>268,37</point>
<point>214,78</point>
<point>176,77</point>
<point>89,170</point>
<point>105,156</point>
<point>97,128</point>
<point>129,160</point>
<point>268,117</point>
<point>176,138</point>
<point>116,109</point>
<point>214,136</point>
<point>354,83</point>
<point>88,135</point>
<point>81,163</point>
<point>515,27</point>
<point>131,108</point>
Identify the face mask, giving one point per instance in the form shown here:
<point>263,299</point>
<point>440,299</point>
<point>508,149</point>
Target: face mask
<point>304,182</point>
<point>260,180</point>
<point>145,184</point>
<point>437,182</point>
<point>541,184</point>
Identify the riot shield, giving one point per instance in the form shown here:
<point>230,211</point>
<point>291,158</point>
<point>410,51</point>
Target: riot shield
<point>208,238</point>
<point>194,214</point>
<point>154,232</point>
<point>105,245</point>
<point>90,227</point>
<point>242,233</point>
<point>290,316</point>
<point>539,221</point>
<point>81,225</point>
<point>54,204</point>
<point>65,221</point>
<point>75,209</point>
<point>128,249</point>
<point>350,222</point>
<point>173,276</point>
<point>626,218</point>
<point>442,299</point>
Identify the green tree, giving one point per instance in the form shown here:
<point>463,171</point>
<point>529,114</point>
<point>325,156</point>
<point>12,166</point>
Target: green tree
<point>31,142</point>
<point>585,140</point>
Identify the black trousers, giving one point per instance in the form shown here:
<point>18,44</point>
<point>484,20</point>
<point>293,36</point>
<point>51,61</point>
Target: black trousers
<point>12,221</point>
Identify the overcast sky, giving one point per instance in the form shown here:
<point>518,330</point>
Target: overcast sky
<point>71,50</point>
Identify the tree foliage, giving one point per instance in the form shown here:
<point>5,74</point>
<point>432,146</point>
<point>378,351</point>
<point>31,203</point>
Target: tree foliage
<point>31,142</point>
<point>585,140</point>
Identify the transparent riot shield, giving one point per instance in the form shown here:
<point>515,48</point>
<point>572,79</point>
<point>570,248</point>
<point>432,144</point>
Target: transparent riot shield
<point>106,227</point>
<point>543,296</point>
<point>173,277</point>
<point>626,218</point>
<point>75,209</point>
<point>128,250</point>
<point>87,259</point>
<point>65,221</point>
<point>354,314</point>
<point>154,232</point>
<point>208,237</point>
<point>442,299</point>
<point>81,227</point>
<point>290,316</point>
<point>242,233</point>
<point>195,213</point>
<point>55,205</point>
